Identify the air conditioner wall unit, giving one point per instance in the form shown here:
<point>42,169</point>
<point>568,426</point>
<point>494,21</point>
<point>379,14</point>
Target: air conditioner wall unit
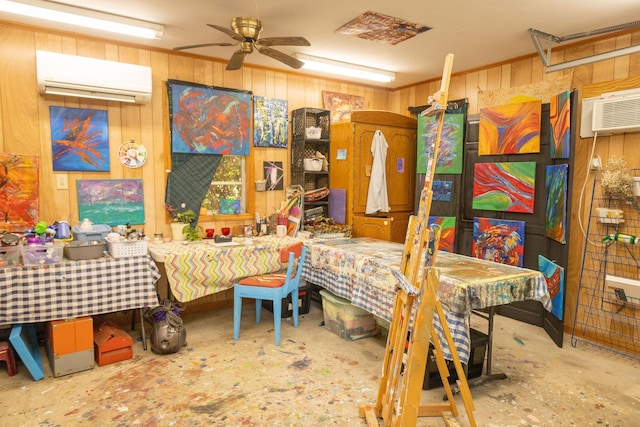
<point>617,113</point>
<point>70,75</point>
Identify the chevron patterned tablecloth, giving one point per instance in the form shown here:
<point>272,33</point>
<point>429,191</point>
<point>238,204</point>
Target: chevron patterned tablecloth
<point>197,269</point>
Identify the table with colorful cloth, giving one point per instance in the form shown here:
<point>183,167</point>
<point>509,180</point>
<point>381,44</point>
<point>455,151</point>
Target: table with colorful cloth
<point>197,269</point>
<point>69,289</point>
<point>367,272</point>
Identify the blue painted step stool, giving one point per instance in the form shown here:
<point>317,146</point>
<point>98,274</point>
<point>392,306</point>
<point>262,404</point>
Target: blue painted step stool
<point>25,342</point>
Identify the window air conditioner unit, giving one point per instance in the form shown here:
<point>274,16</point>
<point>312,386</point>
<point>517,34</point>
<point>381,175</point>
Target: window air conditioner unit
<point>617,113</point>
<point>70,75</point>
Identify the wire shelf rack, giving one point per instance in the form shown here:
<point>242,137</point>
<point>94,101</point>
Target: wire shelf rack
<point>607,311</point>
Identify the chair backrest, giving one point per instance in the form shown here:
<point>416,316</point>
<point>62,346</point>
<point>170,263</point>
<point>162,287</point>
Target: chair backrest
<point>294,255</point>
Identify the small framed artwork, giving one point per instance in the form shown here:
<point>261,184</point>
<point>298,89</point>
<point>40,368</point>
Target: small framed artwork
<point>273,175</point>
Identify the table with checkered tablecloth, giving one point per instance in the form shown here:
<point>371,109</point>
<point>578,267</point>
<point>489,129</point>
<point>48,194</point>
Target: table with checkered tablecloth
<point>367,272</point>
<point>70,289</point>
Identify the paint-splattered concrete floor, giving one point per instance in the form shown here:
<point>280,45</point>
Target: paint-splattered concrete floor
<point>315,378</point>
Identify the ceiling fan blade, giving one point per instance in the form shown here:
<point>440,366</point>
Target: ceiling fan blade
<point>283,41</point>
<point>236,60</point>
<point>228,32</point>
<point>282,57</point>
<point>193,46</point>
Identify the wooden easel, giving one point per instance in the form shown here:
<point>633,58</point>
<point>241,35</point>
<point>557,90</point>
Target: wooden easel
<point>411,330</point>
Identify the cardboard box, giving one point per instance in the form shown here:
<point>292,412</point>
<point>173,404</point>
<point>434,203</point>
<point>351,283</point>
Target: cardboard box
<point>347,320</point>
<point>70,335</point>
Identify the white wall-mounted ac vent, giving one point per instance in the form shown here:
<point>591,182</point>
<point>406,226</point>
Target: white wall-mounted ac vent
<point>70,75</point>
<point>615,112</point>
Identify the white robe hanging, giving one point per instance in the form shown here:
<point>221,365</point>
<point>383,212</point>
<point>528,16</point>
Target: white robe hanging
<point>377,198</point>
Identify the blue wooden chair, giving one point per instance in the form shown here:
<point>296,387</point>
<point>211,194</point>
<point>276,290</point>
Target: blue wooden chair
<point>273,287</point>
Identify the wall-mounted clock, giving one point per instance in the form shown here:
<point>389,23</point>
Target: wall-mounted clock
<point>132,154</point>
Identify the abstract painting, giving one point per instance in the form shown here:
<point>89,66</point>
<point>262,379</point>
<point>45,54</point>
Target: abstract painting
<point>555,178</point>
<point>498,240</point>
<point>19,192</point>
<point>273,175</point>
<point>381,28</point>
<point>209,120</point>
<point>341,105</point>
<point>450,149</point>
<point>510,128</point>
<point>111,201</point>
<point>560,118</point>
<point>442,190</point>
<point>506,186</point>
<point>79,139</point>
<point>554,276</point>
<point>447,231</point>
<point>270,122</point>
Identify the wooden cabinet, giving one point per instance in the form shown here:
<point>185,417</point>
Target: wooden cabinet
<point>351,161</point>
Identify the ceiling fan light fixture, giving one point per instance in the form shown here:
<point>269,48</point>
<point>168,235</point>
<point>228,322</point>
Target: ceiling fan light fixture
<point>345,69</point>
<point>81,17</point>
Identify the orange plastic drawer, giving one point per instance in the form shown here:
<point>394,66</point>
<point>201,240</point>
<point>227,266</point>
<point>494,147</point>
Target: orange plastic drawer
<point>70,335</point>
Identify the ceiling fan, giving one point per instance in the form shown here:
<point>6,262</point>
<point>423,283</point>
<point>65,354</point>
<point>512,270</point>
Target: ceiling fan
<point>246,32</point>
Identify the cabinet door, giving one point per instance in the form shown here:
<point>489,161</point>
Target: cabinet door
<point>399,226</point>
<point>372,226</point>
<point>400,166</point>
<point>363,162</point>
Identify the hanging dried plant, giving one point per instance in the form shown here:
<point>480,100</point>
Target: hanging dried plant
<point>617,181</point>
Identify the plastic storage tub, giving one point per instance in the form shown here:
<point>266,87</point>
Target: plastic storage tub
<point>41,254</point>
<point>88,249</point>
<point>10,255</point>
<point>345,319</point>
<point>98,232</point>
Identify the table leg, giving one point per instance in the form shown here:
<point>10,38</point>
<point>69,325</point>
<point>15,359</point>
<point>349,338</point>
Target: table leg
<point>491,312</point>
<point>142,331</point>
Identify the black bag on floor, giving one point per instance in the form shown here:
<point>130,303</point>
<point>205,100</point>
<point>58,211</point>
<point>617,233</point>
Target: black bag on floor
<point>168,334</point>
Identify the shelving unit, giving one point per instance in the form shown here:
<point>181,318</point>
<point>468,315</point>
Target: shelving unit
<point>306,148</point>
<point>608,303</point>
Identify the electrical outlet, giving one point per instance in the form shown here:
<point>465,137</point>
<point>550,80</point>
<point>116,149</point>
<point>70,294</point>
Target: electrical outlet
<point>596,163</point>
<point>62,182</point>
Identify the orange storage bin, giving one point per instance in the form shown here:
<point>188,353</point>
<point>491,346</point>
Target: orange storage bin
<point>111,344</point>
<point>70,336</point>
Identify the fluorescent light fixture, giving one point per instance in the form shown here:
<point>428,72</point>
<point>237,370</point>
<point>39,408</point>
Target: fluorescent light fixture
<point>345,69</point>
<point>82,17</point>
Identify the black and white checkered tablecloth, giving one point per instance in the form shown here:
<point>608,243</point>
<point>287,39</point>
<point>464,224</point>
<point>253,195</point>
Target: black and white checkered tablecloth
<point>77,288</point>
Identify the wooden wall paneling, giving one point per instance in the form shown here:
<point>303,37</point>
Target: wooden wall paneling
<point>203,72</point>
<point>157,147</point>
<point>472,82</point>
<point>521,72</point>
<point>621,63</point>
<point>53,201</point>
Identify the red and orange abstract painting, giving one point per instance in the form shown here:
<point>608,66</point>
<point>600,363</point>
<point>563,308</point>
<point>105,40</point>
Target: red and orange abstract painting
<point>19,185</point>
<point>504,186</point>
<point>510,129</point>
